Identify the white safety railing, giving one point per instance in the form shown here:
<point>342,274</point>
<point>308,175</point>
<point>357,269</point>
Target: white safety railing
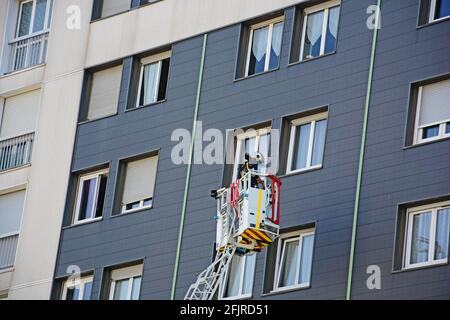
<point>28,52</point>
<point>8,246</point>
<point>16,152</point>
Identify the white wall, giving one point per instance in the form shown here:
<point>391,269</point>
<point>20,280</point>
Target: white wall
<point>52,153</point>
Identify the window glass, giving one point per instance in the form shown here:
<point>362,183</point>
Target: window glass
<point>300,156</point>
<point>25,18</point>
<point>442,9</point>
<point>121,289</point>
<point>250,262</point>
<point>39,15</point>
<point>442,234</point>
<point>319,142</point>
<point>87,291</point>
<point>306,259</point>
<point>258,51</point>
<point>149,84</point>
<point>420,237</point>
<point>275,50</point>
<point>430,132</point>
<point>136,288</point>
<point>289,263</point>
<point>313,39</point>
<point>447,129</point>
<point>234,277</point>
<point>332,29</point>
<point>87,198</point>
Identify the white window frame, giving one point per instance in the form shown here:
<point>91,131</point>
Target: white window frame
<point>77,282</point>
<point>130,273</point>
<point>313,119</point>
<point>158,58</point>
<point>418,130</point>
<point>141,206</point>
<point>240,145</point>
<point>241,295</point>
<point>33,11</point>
<point>432,13</point>
<point>325,7</point>
<point>285,238</point>
<point>411,212</point>
<point>268,23</point>
<point>81,179</point>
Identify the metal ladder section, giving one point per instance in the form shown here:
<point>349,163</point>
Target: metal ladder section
<point>209,280</point>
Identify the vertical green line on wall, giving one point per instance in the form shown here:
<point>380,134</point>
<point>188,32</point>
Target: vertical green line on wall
<point>361,153</point>
<point>189,168</point>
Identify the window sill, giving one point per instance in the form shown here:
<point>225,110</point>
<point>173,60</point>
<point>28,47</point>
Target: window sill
<point>421,267</point>
<point>432,23</point>
<point>425,143</point>
<point>297,172</point>
<point>7,270</point>
<point>311,59</point>
<point>146,106</point>
<point>286,290</point>
<point>83,223</point>
<point>256,74</point>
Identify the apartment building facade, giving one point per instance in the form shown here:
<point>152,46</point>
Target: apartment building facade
<point>363,116</point>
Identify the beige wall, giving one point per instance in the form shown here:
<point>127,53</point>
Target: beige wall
<point>52,153</point>
<point>169,21</point>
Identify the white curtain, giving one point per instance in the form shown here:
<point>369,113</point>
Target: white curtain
<point>149,85</point>
<point>333,21</point>
<point>277,34</point>
<point>259,46</point>
<point>314,27</point>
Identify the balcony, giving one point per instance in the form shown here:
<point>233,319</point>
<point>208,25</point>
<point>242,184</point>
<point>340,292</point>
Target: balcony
<point>16,152</point>
<point>28,51</point>
<point>8,246</point>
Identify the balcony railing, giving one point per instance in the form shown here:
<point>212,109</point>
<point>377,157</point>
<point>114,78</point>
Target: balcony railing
<point>28,52</point>
<point>8,246</point>
<point>16,152</point>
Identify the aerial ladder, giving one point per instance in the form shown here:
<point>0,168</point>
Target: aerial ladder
<point>248,219</point>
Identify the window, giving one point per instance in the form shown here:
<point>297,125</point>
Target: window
<point>294,260</point>
<point>439,9</point>
<point>104,92</point>
<point>126,283</point>
<point>78,289</point>
<point>432,112</point>
<point>11,207</point>
<point>319,30</point>
<point>427,235</point>
<point>307,143</point>
<point>90,196</point>
<point>153,79</point>
<point>34,17</point>
<point>20,114</point>
<point>252,142</point>
<point>138,189</point>
<point>264,46</point>
<point>239,282</point>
